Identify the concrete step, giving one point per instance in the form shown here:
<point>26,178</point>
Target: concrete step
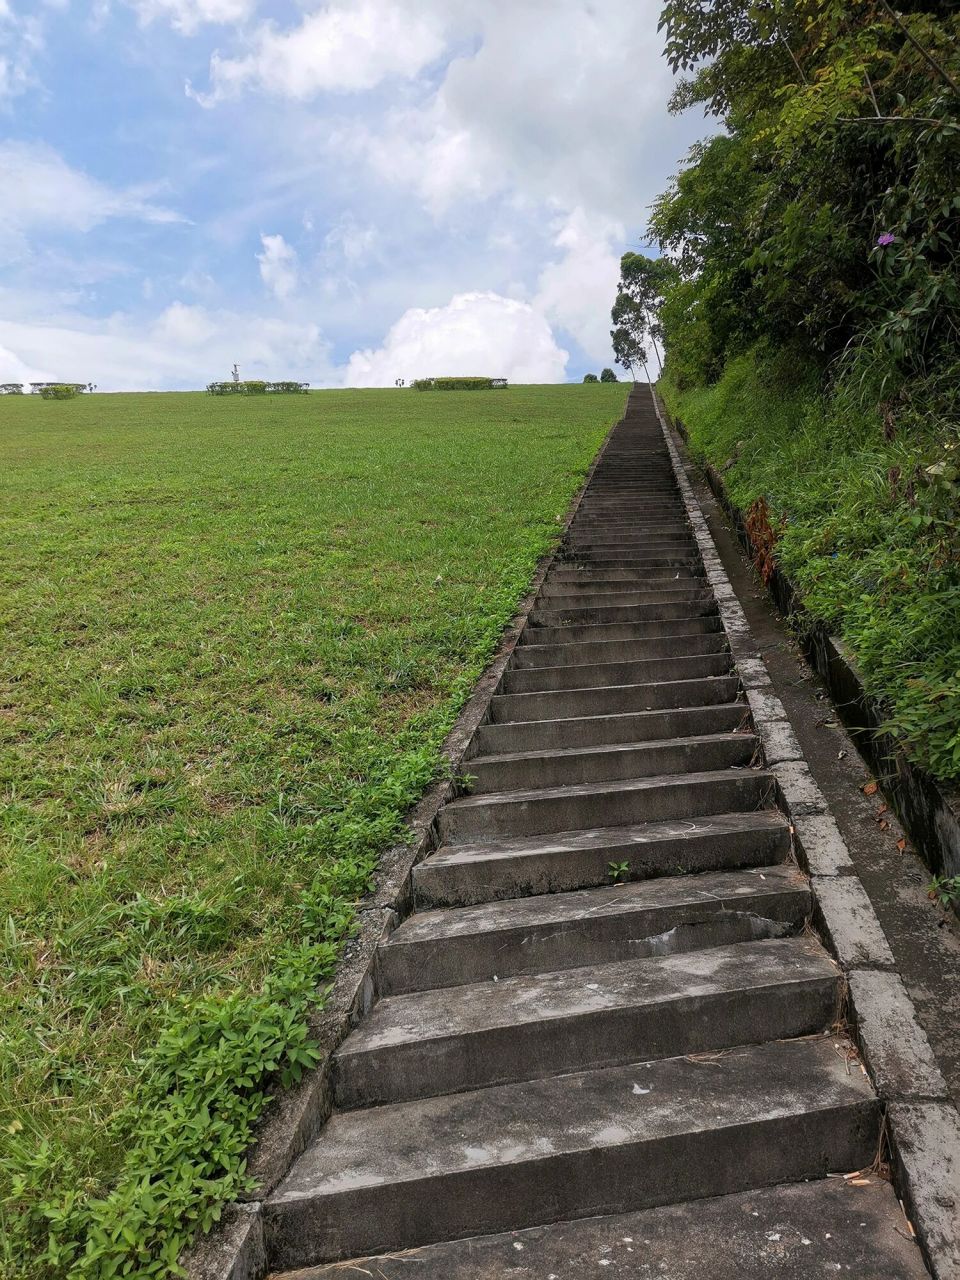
<point>595,731</point>
<point>559,704</point>
<point>585,585</point>
<point>593,1142</point>
<point>599,633</point>
<point>604,804</point>
<point>678,607</point>
<point>446,948</point>
<point>797,1231</point>
<point>593,575</point>
<point>490,869</point>
<point>687,554</point>
<point>430,1043</point>
<point>558,655</point>
<point>526,770</point>
<point>578,598</point>
<point>594,675</point>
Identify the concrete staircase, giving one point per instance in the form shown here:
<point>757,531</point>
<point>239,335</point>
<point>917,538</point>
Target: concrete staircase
<point>606,1037</point>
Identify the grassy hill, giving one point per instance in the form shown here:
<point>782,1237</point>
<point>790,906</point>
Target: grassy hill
<point>234,633</point>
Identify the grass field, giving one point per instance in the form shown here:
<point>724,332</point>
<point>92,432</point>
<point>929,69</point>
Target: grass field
<point>234,634</point>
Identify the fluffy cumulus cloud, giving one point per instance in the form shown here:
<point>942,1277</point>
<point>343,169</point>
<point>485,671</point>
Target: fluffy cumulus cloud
<point>575,291</point>
<point>278,266</point>
<point>476,334</point>
<point>349,45</point>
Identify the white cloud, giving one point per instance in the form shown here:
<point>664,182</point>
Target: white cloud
<point>40,190</point>
<point>480,334</point>
<point>185,347</point>
<point>187,15</point>
<point>555,104</point>
<point>347,45</point>
<point>349,241</point>
<point>21,39</point>
<point>577,292</point>
<point>278,266</point>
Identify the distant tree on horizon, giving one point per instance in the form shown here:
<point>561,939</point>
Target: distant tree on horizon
<point>608,376</point>
<point>590,377</point>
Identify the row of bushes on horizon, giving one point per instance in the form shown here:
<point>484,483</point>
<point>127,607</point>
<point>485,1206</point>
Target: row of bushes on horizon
<point>458,384</point>
<point>256,388</point>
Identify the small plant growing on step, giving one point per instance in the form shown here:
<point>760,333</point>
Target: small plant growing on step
<point>945,890</point>
<point>618,871</point>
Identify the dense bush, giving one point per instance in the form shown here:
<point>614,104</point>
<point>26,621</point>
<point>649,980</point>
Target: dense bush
<point>458,384</point>
<point>61,390</point>
<point>256,388</point>
<point>590,377</point>
<point>288,388</point>
<point>811,315</point>
<point>11,388</point>
<point>608,376</point>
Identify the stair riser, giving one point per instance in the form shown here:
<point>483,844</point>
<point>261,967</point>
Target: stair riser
<point>606,730</point>
<point>526,657</point>
<point>609,766</point>
<point>464,884</point>
<point>562,704</point>
<point>706,625</point>
<point>614,1179</point>
<point>601,939</point>
<point>581,810</point>
<point>597,675</point>
<point>610,1038</point>
<point>660,611</point>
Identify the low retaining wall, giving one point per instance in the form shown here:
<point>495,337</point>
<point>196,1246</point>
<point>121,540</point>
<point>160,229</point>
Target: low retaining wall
<point>929,812</point>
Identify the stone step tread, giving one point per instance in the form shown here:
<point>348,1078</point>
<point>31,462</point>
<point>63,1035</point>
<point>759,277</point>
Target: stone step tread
<point>531,657</point>
<point>638,834</point>
<point>609,748</point>
<point>526,1124</point>
<point>797,1231</point>
<point>622,787</point>
<point>589,675</point>
<point>599,730</point>
<point>621,921</point>
<point>655,695</point>
<point>713,890</point>
<point>648,984</point>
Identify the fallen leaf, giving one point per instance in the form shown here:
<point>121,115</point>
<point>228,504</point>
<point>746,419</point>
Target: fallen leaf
<point>870,789</point>
<point>901,844</point>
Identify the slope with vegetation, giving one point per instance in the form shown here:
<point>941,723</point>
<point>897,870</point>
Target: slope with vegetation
<point>808,296</point>
<point>235,633</point>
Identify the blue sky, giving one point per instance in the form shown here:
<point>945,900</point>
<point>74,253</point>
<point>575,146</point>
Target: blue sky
<point>346,191</point>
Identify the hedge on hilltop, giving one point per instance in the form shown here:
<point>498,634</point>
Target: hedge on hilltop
<point>458,384</point>
<point>257,388</point>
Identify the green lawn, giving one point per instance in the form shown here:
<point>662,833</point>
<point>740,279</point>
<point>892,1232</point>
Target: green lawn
<point>234,634</point>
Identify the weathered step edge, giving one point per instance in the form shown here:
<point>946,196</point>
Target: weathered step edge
<point>924,1126</point>
<point>234,1249</point>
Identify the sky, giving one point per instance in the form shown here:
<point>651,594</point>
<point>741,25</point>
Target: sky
<point>346,192</point>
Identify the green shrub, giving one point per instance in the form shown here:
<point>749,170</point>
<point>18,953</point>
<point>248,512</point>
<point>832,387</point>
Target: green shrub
<point>254,388</point>
<point>288,388</point>
<point>11,388</point>
<point>608,376</point>
<point>458,384</point>
<point>590,377</point>
<point>61,390</point>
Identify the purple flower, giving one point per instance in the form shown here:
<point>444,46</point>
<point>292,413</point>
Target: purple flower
<point>886,238</point>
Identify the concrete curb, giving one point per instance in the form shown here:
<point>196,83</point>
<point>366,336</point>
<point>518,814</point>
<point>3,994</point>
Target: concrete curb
<point>923,1125</point>
<point>235,1249</point>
